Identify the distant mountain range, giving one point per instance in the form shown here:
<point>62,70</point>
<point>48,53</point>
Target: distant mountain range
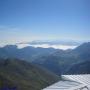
<point>27,53</point>
<point>56,60</point>
<point>21,75</point>
<point>60,61</point>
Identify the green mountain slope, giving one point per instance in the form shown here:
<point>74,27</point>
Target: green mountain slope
<point>24,76</point>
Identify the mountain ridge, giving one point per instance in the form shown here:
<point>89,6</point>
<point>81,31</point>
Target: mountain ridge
<point>55,60</point>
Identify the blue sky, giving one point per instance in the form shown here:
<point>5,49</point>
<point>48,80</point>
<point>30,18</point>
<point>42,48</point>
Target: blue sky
<point>27,20</point>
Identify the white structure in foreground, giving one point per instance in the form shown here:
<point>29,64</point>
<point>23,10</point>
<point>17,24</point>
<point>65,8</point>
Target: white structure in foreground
<point>72,82</point>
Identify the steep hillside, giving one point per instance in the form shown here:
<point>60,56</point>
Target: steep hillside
<point>80,68</point>
<point>83,51</point>
<point>22,75</point>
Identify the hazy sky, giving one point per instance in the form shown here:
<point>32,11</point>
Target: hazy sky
<point>27,20</point>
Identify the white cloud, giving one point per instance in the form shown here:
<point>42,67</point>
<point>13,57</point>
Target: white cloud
<point>64,47</point>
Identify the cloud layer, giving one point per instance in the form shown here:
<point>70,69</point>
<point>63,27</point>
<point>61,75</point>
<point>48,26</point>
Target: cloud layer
<point>64,47</point>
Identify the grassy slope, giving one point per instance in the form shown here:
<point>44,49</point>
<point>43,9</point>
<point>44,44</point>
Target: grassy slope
<point>24,75</point>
